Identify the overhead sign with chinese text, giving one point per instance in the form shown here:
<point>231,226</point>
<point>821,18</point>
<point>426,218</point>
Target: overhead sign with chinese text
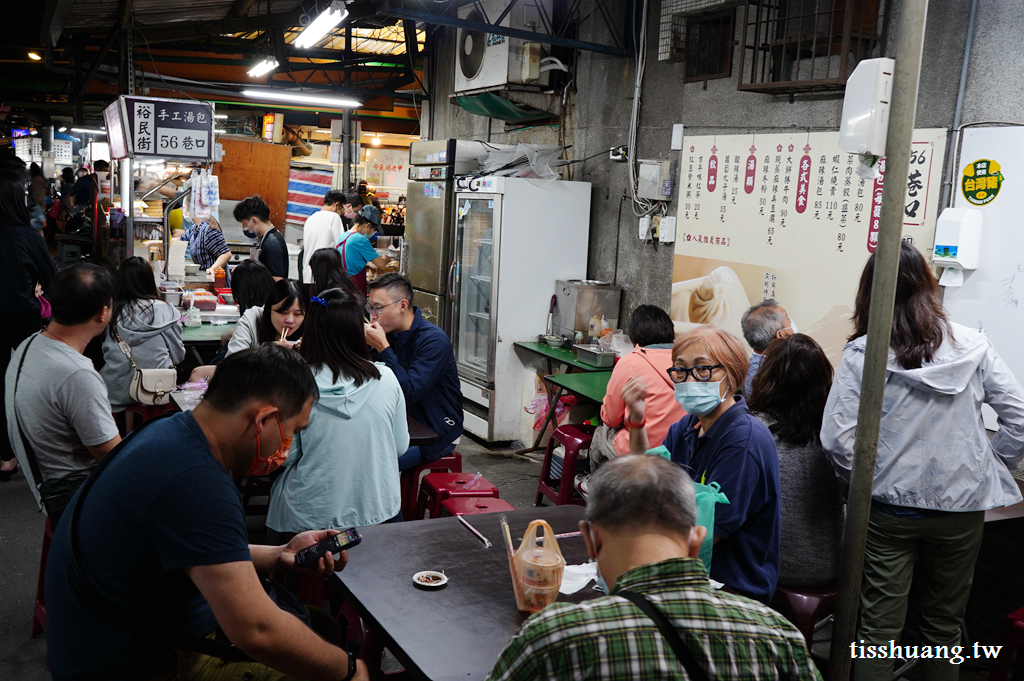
<point>387,167</point>
<point>787,217</point>
<point>174,129</point>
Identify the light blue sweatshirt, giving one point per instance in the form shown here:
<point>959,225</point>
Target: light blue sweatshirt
<point>342,469</point>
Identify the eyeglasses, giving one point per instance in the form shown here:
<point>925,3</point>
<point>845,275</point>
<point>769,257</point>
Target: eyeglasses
<point>376,309</point>
<point>700,373</point>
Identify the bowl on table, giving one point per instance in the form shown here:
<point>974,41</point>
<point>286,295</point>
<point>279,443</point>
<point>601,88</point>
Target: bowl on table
<point>191,268</point>
<point>554,341</point>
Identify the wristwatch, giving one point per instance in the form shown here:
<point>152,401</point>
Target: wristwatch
<point>351,665</point>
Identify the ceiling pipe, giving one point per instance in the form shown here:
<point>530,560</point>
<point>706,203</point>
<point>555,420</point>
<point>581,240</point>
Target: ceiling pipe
<point>947,186</point>
<point>112,37</point>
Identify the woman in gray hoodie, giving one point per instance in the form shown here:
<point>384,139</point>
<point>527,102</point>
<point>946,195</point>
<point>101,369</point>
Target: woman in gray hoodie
<point>149,326</point>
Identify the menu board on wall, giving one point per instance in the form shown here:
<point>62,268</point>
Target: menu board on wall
<point>787,217</point>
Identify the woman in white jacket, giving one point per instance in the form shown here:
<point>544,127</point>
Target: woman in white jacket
<point>342,469</point>
<point>936,472</point>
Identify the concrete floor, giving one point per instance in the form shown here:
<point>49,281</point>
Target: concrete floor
<point>21,530</point>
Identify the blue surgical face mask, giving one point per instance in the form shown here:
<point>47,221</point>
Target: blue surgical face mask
<point>600,581</point>
<point>598,578</point>
<point>698,398</point>
<point>251,235</point>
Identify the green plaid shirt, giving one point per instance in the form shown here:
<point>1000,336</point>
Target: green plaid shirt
<point>730,636</point>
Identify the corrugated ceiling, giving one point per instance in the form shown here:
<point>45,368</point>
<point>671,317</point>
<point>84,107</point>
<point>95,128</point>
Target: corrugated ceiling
<point>104,13</point>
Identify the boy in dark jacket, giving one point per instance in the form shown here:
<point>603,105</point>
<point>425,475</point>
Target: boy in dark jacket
<point>421,356</point>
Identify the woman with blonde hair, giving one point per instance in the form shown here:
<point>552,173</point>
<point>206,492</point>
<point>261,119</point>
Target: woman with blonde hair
<point>720,441</point>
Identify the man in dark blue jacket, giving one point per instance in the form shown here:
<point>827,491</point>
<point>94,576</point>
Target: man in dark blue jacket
<point>421,356</point>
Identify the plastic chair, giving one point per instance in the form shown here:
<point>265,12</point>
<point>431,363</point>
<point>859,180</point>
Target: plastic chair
<point>806,608</point>
<point>145,412</point>
<point>437,487</point>
<point>1012,637</point>
<point>474,506</point>
<point>452,463</point>
<point>574,438</point>
<point>39,610</point>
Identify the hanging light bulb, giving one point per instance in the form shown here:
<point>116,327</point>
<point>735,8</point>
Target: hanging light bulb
<point>376,140</point>
<point>263,68</point>
<point>328,19</point>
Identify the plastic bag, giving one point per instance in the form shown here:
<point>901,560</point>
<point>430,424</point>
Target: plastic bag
<point>707,496</point>
<point>617,341</point>
<point>537,569</point>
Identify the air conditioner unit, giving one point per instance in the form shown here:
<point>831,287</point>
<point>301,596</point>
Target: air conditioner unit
<point>486,60</point>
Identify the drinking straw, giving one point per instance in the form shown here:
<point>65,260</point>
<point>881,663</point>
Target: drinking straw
<point>485,540</point>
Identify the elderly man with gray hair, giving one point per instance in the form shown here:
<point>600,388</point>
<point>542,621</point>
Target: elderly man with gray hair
<point>661,616</point>
<point>762,324</point>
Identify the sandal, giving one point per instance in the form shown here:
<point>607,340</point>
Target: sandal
<point>6,475</point>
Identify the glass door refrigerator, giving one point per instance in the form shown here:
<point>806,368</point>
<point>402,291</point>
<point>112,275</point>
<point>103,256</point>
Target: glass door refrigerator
<point>428,259</point>
<point>513,239</point>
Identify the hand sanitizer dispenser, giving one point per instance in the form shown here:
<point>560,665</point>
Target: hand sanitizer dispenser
<point>957,243</point>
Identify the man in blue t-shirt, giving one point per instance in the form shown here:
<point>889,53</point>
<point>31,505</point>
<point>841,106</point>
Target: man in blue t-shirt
<point>162,541</point>
<point>421,356</point>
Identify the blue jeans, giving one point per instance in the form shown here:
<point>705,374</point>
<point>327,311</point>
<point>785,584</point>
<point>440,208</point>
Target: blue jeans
<point>412,457</point>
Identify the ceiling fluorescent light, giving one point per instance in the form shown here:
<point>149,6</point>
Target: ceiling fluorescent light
<point>296,98</point>
<point>63,129</point>
<point>220,116</point>
<point>263,68</point>
<point>89,131</point>
<point>34,56</point>
<point>319,27</point>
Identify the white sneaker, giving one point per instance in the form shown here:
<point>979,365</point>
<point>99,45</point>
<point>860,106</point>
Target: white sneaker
<point>581,482</point>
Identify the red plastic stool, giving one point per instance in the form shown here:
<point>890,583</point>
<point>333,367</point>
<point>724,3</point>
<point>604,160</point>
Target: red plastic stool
<point>452,463</point>
<point>39,610</point>
<point>145,413</point>
<point>1011,639</point>
<point>440,486</point>
<point>806,607</point>
<point>474,506</point>
<point>574,438</point>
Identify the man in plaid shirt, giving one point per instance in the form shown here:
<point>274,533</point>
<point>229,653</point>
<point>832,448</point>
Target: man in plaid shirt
<point>640,530</point>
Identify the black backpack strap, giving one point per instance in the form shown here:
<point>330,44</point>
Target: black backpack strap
<point>30,453</point>
<point>693,670</point>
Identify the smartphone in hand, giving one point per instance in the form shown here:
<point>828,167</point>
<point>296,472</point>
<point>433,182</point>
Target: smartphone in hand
<point>337,543</point>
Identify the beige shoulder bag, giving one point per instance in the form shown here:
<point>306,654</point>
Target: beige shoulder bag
<point>149,386</point>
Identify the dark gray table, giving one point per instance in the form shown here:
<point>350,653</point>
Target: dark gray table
<point>455,632</point>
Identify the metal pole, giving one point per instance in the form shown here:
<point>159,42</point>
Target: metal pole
<point>127,205</point>
<point>346,150</point>
<point>947,186</point>
<point>883,293</point>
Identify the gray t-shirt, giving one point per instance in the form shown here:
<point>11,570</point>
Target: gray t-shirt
<point>63,406</point>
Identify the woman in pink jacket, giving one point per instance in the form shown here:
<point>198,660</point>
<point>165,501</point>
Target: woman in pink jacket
<point>652,334</point>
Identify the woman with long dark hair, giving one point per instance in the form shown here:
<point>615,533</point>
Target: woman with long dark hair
<point>149,326</point>
<point>789,394</point>
<point>936,473</point>
<point>23,262</point>
<point>325,265</point>
<point>342,469</point>
<point>250,284</point>
<point>279,320</point>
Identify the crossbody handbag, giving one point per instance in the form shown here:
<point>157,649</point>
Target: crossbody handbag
<point>143,629</point>
<point>148,386</point>
<point>55,494</point>
<point>693,669</point>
